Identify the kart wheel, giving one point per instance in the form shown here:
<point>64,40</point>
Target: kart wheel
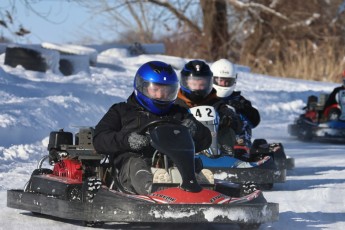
<point>305,134</point>
<point>258,142</point>
<point>249,226</point>
<point>290,163</point>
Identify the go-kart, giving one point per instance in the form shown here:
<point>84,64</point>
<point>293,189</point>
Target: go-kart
<point>320,123</point>
<point>263,165</point>
<point>77,187</point>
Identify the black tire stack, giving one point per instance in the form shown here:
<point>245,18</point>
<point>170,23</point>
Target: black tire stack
<point>30,59</point>
<point>69,59</point>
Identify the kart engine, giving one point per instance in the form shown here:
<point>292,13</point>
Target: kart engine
<point>69,168</point>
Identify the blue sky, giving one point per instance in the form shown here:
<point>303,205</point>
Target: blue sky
<point>66,22</point>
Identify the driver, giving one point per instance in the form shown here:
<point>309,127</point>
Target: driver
<point>225,79</point>
<point>333,99</point>
<point>197,90</point>
<point>155,91</point>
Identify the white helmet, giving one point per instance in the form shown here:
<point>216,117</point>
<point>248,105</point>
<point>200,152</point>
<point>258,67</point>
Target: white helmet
<point>224,77</point>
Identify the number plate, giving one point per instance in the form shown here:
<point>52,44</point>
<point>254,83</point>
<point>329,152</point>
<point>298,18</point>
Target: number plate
<point>204,113</point>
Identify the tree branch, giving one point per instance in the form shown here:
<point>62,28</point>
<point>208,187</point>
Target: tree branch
<point>177,13</point>
<point>306,22</point>
<point>243,5</point>
<point>274,3</point>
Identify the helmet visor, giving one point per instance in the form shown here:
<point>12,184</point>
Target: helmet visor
<point>224,81</point>
<point>155,91</point>
<point>198,83</point>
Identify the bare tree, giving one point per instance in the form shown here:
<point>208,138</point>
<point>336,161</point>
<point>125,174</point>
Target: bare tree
<point>258,33</point>
<point>9,23</point>
<point>279,31</point>
<point>131,20</point>
<point>199,27</point>
<point>215,28</point>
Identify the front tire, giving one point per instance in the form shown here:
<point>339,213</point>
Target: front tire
<point>305,134</point>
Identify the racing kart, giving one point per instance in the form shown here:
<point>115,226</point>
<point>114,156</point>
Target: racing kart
<point>78,186</point>
<point>264,164</point>
<point>320,123</point>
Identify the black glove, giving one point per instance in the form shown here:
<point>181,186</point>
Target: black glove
<point>237,125</point>
<point>191,125</point>
<point>230,119</point>
<point>137,141</point>
<point>240,105</point>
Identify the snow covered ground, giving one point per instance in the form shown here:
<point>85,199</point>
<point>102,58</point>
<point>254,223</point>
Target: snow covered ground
<point>33,104</point>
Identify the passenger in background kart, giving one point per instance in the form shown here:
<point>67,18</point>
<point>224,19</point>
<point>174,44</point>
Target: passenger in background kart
<point>116,135</point>
<point>224,81</point>
<point>196,90</point>
<point>333,99</point>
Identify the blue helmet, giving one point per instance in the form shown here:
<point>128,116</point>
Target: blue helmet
<point>156,86</point>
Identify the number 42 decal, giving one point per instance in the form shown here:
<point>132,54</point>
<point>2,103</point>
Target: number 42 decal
<point>204,113</point>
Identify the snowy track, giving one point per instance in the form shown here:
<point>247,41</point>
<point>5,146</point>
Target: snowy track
<point>33,104</point>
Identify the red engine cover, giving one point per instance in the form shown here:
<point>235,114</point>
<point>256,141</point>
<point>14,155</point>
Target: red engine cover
<point>69,168</point>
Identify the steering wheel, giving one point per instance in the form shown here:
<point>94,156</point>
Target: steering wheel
<point>155,123</point>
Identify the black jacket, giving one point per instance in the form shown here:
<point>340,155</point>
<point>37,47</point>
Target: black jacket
<point>112,131</point>
<point>243,107</point>
<point>332,97</point>
<point>219,105</point>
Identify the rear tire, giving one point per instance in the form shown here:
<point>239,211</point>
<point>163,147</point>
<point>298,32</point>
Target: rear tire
<point>258,142</point>
<point>305,134</point>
